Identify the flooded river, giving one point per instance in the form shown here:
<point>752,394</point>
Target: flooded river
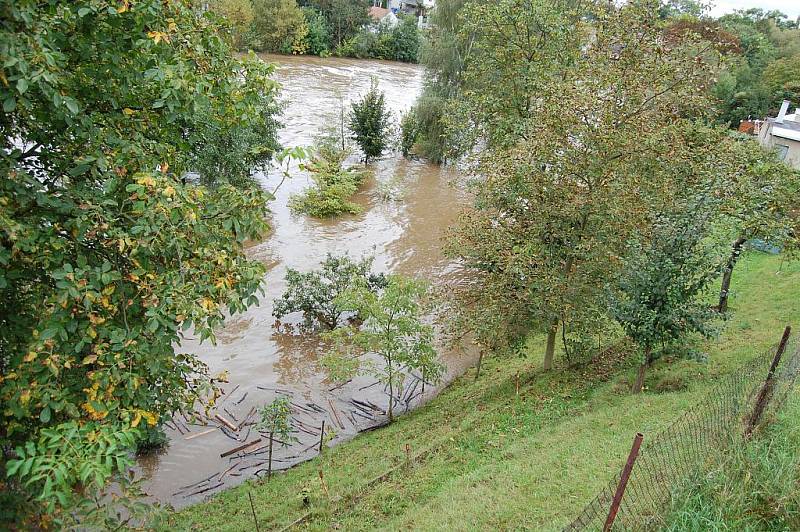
<point>263,358</point>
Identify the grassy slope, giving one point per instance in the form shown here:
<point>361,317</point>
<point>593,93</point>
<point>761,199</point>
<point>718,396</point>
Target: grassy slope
<point>489,458</point>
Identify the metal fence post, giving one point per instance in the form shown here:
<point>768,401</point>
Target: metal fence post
<point>623,482</point>
<point>766,390</point>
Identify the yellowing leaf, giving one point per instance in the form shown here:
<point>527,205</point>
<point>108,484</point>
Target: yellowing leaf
<point>30,357</point>
<point>25,397</point>
<point>128,111</point>
<point>89,359</point>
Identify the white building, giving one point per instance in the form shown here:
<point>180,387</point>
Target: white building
<point>782,134</point>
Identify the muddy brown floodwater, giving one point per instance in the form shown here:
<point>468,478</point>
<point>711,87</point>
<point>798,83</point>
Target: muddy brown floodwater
<point>265,359</point>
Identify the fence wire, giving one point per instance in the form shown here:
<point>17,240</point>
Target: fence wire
<point>669,458</point>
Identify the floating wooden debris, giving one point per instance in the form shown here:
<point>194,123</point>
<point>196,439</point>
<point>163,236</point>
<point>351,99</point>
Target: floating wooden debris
<point>229,394</point>
<point>240,448</point>
<point>230,414</point>
<point>197,435</point>
<point>231,468</point>
<point>225,422</point>
<point>198,492</point>
<point>242,399</point>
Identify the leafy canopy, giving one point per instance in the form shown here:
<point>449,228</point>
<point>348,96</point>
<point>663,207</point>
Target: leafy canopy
<point>370,122</point>
<point>316,293</point>
<point>392,329</point>
<point>108,250</point>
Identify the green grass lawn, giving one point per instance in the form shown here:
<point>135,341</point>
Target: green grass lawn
<point>487,458</point>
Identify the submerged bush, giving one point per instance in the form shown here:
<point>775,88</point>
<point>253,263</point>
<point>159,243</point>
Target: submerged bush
<point>315,293</point>
<point>334,184</point>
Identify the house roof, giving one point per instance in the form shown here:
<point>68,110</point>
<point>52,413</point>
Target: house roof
<point>377,13</point>
<point>788,129</point>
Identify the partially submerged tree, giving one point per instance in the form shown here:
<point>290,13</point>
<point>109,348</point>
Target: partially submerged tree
<point>317,293</point>
<point>275,422</point>
<point>392,329</point>
<point>657,298</point>
<point>370,122</point>
<point>105,254</point>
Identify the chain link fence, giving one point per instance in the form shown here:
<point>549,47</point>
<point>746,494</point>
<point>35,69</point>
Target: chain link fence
<point>667,459</point>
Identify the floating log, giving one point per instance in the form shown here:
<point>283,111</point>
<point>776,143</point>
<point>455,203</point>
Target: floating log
<point>339,385</point>
<point>193,436</point>
<point>316,407</point>
<point>205,490</point>
<point>361,414</point>
<point>225,422</point>
<point>230,414</point>
<point>336,415</point>
<point>231,468</point>
<point>229,394</point>
<point>247,418</point>
<point>184,488</point>
<point>257,464</point>
<point>240,448</point>
<point>368,386</point>
<point>228,433</point>
<point>242,399</point>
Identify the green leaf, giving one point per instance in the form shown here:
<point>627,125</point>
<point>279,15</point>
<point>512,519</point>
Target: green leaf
<point>22,85</point>
<point>9,104</point>
<point>82,12</point>
<point>44,416</point>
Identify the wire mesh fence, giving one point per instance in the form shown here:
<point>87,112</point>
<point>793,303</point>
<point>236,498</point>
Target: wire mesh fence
<point>667,459</point>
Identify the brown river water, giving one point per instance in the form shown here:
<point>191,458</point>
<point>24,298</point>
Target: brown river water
<point>264,358</point>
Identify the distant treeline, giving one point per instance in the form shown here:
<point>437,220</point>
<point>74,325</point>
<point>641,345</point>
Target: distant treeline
<point>342,28</point>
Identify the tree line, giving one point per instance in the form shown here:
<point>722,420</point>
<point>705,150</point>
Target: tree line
<point>341,28</point>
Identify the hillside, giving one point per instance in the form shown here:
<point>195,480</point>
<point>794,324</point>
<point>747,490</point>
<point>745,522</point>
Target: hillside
<point>485,457</point>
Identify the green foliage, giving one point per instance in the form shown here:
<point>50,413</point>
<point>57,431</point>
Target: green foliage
<point>276,419</point>
<point>239,16</point>
<point>151,439</point>
<point>316,293</point>
<point>318,38</point>
<point>409,131</point>
<point>392,328</point>
<point>370,122</point>
<point>277,24</point>
<point>560,183</point>
<point>334,183</point>
<point>106,253</point>
<point>657,298</point>
<point>345,17</point>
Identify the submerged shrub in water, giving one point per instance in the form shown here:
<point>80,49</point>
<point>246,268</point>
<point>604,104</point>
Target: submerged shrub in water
<point>315,293</point>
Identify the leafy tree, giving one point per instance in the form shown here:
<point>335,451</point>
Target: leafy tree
<point>657,298</point>
<point>240,16</point>
<point>370,122</point>
<point>316,293</point>
<point>277,24</point>
<point>409,131</point>
<point>442,52</point>
<point>106,253</point>
<point>276,422</point>
<point>761,196</point>
<point>392,329</point>
<point>561,187</point>
<point>405,40</point>
<point>319,37</point>
<point>345,17</point>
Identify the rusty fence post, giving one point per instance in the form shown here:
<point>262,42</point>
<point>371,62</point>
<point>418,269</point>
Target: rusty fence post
<point>623,482</point>
<point>764,395</point>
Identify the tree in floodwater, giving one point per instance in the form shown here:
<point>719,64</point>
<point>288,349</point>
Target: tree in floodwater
<point>561,187</point>
<point>106,252</point>
<point>657,297</point>
<point>276,423</point>
<point>317,293</point>
<point>392,329</point>
<point>370,122</point>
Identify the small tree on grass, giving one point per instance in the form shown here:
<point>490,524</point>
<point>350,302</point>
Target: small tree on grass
<point>656,299</point>
<point>392,329</point>
<point>370,122</point>
<point>316,293</point>
<point>275,420</point>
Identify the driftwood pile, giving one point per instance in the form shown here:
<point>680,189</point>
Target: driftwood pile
<point>308,421</point>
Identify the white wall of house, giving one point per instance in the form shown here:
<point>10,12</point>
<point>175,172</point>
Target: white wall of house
<point>782,134</point>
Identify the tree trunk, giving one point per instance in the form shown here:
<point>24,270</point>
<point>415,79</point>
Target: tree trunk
<point>480,361</point>
<point>269,465</point>
<point>391,393</point>
<point>551,346</point>
<point>638,385</point>
<point>736,251</point>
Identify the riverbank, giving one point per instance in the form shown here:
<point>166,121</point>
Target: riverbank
<point>496,454</point>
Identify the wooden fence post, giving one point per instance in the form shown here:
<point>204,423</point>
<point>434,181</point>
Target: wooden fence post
<point>764,395</point>
<point>623,482</point>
